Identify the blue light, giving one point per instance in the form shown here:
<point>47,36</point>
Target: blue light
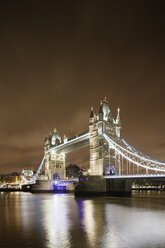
<point>59,188</point>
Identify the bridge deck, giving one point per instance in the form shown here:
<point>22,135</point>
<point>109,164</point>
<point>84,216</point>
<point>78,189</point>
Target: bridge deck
<point>137,176</point>
<point>74,143</point>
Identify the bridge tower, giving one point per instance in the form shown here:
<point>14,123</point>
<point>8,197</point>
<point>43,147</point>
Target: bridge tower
<point>54,161</point>
<point>103,159</point>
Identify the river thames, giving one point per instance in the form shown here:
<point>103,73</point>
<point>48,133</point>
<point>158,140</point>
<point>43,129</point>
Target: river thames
<point>61,220</point>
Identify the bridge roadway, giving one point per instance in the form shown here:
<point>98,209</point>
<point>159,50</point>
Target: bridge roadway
<point>145,176</point>
<point>74,143</point>
<point>142,180</point>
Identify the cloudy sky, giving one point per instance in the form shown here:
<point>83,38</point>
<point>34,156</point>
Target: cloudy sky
<point>59,58</point>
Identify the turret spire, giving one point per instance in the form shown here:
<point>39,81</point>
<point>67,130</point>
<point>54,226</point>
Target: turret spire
<point>105,109</point>
<point>105,100</point>
<point>118,116</point>
<point>92,113</point>
<point>101,108</point>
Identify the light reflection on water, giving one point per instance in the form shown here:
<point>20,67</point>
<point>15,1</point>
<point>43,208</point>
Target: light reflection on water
<point>61,220</point>
<point>55,221</point>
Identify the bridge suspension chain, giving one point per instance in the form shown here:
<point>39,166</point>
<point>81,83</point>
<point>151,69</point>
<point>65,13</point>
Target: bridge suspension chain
<point>142,154</point>
<point>39,169</point>
<point>36,175</point>
<point>134,157</point>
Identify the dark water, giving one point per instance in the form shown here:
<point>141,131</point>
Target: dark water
<point>47,220</point>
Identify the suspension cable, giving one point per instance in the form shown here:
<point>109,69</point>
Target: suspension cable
<point>121,151</point>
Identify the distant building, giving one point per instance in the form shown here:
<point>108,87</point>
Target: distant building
<point>73,171</point>
<point>15,174</point>
<point>27,173</point>
<point>10,179</point>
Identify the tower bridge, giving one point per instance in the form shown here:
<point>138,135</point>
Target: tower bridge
<point>110,155</point>
<point>102,158</point>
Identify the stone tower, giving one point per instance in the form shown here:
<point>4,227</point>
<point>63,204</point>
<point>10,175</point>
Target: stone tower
<point>54,161</point>
<point>103,160</point>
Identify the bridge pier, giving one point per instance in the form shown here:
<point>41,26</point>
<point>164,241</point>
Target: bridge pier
<point>101,186</point>
<point>118,187</point>
<point>51,186</point>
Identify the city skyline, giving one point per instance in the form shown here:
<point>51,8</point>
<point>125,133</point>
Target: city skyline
<point>58,60</point>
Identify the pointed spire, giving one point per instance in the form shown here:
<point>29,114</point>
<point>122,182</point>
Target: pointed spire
<point>105,100</point>
<point>47,141</point>
<point>92,113</point>
<point>118,116</point>
<point>101,108</point>
<point>118,112</point>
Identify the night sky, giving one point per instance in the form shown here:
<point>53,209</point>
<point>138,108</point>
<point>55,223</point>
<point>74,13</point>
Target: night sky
<point>59,58</point>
